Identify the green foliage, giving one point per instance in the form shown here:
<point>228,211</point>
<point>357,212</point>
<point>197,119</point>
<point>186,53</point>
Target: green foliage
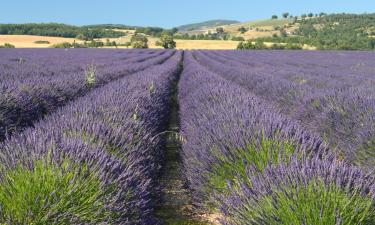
<point>110,43</point>
<point>242,30</point>
<point>285,15</point>
<point>82,37</point>
<point>238,39</point>
<point>41,42</point>
<point>139,41</point>
<point>7,45</point>
<point>95,44</point>
<point>43,194</point>
<point>259,154</point>
<point>57,30</point>
<point>250,45</point>
<point>274,17</point>
<point>316,203</point>
<point>152,31</point>
<point>366,154</point>
<point>214,36</point>
<point>290,46</point>
<point>220,30</point>
<point>166,41</point>
<point>335,31</point>
<point>278,47</point>
<point>62,45</point>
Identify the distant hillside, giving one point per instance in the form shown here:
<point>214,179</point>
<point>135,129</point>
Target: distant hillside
<point>334,31</point>
<point>205,25</point>
<point>243,30</point>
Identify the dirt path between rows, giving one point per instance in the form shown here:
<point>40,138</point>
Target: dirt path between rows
<point>176,204</point>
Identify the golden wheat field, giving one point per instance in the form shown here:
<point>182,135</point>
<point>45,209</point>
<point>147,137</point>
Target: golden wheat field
<point>28,41</point>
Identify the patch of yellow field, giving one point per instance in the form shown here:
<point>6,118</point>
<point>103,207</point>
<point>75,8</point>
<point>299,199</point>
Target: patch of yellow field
<point>27,41</point>
<point>206,44</point>
<point>188,44</point>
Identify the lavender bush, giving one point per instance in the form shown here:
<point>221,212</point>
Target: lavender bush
<point>226,130</point>
<point>330,93</point>
<point>47,79</point>
<point>91,162</point>
<point>313,191</point>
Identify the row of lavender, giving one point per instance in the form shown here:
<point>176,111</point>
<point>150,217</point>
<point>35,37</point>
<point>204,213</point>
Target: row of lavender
<point>93,161</point>
<point>34,83</point>
<point>330,93</point>
<point>244,158</point>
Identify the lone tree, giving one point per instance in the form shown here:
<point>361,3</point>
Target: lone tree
<point>310,15</point>
<point>220,30</point>
<point>166,41</point>
<point>242,30</point>
<point>274,17</point>
<point>139,41</point>
<point>285,15</point>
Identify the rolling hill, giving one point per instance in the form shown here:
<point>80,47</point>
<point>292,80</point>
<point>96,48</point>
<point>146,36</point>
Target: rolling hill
<point>333,31</point>
<point>205,25</point>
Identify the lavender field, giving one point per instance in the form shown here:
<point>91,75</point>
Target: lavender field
<point>95,136</point>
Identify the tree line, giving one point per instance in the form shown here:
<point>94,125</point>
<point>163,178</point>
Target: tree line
<point>59,30</point>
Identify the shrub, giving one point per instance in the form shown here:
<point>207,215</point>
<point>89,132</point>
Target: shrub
<point>166,41</point>
<point>242,30</point>
<point>278,47</point>
<point>238,39</point>
<point>249,45</point>
<point>290,46</point>
<point>44,193</point>
<point>7,45</point>
<point>258,154</point>
<point>314,191</point>
<point>62,45</point>
<point>41,42</point>
<point>139,41</point>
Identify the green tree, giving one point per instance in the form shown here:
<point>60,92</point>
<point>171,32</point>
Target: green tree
<point>310,15</point>
<point>220,30</point>
<point>242,30</point>
<point>139,41</point>
<point>285,15</point>
<point>8,45</point>
<point>81,37</point>
<point>274,17</point>
<point>166,41</point>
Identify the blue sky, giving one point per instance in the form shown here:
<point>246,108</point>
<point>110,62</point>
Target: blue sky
<point>166,13</point>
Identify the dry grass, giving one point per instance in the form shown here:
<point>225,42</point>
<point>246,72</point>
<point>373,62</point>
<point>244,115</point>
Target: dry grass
<point>206,44</point>
<point>27,41</point>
